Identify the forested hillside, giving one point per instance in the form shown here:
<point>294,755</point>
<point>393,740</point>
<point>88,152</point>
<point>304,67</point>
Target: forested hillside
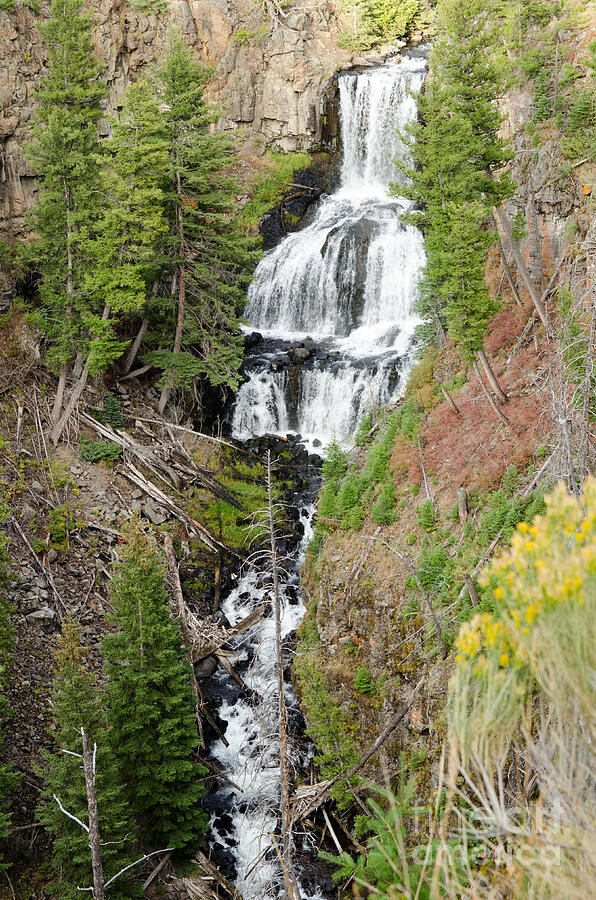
<point>297,493</point>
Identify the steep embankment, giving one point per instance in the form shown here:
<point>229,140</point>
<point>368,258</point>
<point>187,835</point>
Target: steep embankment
<point>434,485</point>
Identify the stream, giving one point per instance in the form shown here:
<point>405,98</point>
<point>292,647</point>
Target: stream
<point>332,312</point>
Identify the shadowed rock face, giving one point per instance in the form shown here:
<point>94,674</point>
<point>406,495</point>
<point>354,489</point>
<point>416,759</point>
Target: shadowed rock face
<point>272,83</point>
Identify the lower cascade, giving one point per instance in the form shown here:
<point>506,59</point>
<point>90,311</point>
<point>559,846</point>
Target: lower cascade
<point>333,305</point>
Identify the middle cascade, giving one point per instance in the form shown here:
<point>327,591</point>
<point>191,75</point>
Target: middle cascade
<point>345,285</point>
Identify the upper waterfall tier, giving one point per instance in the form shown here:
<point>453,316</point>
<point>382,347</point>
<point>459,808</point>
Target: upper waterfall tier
<point>375,105</point>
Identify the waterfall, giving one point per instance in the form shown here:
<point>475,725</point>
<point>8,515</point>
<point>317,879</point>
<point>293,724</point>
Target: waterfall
<point>335,306</point>
<point>347,281</point>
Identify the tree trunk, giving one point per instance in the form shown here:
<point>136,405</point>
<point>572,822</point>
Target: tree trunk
<point>475,599</point>
<point>489,396</point>
<point>167,388</point>
<point>492,378</point>
<point>450,400</point>
<point>56,432</point>
<point>94,838</point>
<point>135,346</point>
<point>59,398</point>
<point>286,826</point>
<point>589,374</point>
<point>508,271</point>
<point>462,505</point>
<point>503,219</point>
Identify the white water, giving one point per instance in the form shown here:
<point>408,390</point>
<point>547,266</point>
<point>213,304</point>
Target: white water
<point>348,280</point>
<point>251,760</point>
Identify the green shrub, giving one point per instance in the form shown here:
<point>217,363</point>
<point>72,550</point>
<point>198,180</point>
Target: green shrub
<point>426,516</point>
<point>61,525</point>
<point>362,436</point>
<point>364,683</point>
<point>335,464</point>
<point>377,459</point>
<point>111,413</point>
<point>327,501</point>
<point>383,511</point>
<point>98,451</point>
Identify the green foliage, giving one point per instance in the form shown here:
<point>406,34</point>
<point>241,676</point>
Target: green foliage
<point>98,451</point>
<point>329,728</point>
<point>377,458</point>
<point>61,523</point>
<point>426,516</point>
<point>7,6</point>
<point>76,704</point>
<point>9,779</point>
<point>111,413</point>
<point>126,246</point>
<point>63,152</point>
<point>383,510</point>
<point>362,436</point>
<point>150,7</point>
<point>243,36</point>
<point>374,22</point>
<point>574,337</point>
<point>364,683</point>
<point>210,259</point>
<point>150,707</point>
<point>335,463</point>
<point>458,175</point>
<point>271,185</point>
<point>248,484</point>
<point>393,865</point>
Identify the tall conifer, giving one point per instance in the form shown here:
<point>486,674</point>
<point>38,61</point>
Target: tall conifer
<point>76,699</point>
<point>64,152</point>
<point>150,702</point>
<point>211,258</point>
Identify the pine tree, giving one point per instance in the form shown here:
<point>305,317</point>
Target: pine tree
<point>77,704</point>
<point>64,152</point>
<point>9,779</point>
<point>150,702</point>
<point>124,251</point>
<point>211,259</point>
<point>127,252</point>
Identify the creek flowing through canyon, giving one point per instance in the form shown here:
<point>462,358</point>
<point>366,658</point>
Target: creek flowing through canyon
<point>342,289</point>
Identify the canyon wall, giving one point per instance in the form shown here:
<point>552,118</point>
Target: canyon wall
<point>269,79</point>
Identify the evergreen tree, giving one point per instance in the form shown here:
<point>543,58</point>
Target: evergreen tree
<point>77,704</point>
<point>211,259</point>
<point>63,150</point>
<point>8,777</point>
<point>150,702</point>
<point>127,250</point>
<point>124,250</point>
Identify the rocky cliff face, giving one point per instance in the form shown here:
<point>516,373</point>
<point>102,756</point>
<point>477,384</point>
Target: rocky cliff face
<point>269,79</point>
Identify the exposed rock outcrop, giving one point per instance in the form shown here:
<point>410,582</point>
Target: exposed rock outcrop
<point>268,80</point>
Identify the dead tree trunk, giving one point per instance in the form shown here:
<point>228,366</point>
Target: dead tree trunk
<point>490,397</point>
<point>286,825</point>
<point>56,432</point>
<point>474,598</point>
<point>94,838</point>
<point>462,504</point>
<point>589,374</point>
<point>508,271</point>
<point>168,386</point>
<point>492,378</point>
<point>450,400</point>
<point>503,220</point>
<point>135,346</point>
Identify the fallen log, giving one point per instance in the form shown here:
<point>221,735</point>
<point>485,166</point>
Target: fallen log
<point>353,770</point>
<point>129,471</point>
<point>213,872</point>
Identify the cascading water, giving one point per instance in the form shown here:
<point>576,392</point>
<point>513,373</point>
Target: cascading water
<point>344,286</point>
